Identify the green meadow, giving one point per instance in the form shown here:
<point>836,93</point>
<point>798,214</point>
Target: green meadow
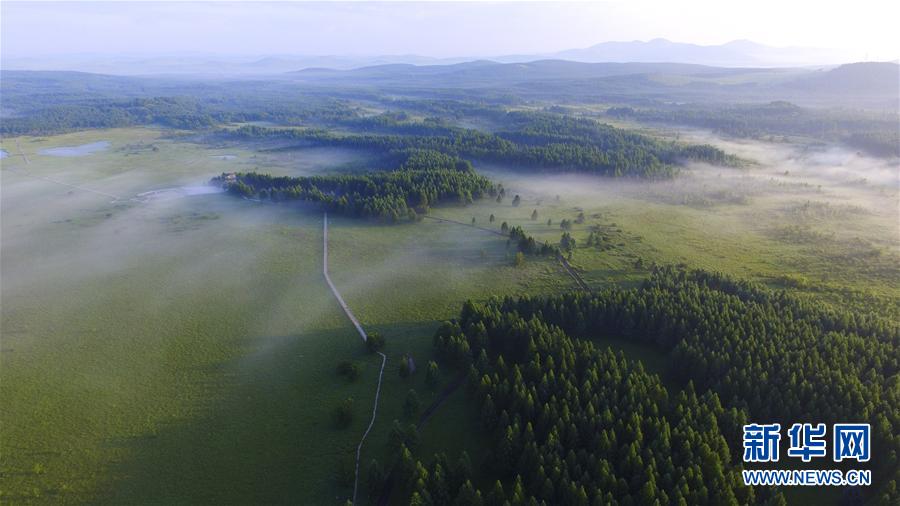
<point>181,348</point>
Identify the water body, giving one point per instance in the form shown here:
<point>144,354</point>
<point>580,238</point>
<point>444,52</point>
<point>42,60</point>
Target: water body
<point>3,153</point>
<point>82,150</point>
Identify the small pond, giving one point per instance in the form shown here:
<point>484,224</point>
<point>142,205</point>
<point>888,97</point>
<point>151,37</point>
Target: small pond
<point>82,150</point>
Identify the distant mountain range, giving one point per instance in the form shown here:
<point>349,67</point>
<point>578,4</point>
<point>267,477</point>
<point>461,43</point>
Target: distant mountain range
<point>869,78</point>
<point>855,78</point>
<point>740,53</point>
<point>488,73</point>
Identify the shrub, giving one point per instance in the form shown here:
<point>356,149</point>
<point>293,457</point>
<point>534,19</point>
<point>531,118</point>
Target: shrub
<point>349,370</point>
<point>411,404</point>
<point>343,413</point>
<point>432,375</point>
<point>374,342</point>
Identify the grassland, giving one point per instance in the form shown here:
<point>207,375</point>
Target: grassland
<point>805,232</point>
<point>182,350</point>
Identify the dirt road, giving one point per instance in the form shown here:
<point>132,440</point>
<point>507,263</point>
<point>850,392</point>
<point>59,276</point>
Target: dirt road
<point>362,334</point>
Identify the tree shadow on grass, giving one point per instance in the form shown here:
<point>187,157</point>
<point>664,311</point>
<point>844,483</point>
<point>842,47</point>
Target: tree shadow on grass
<point>266,438</point>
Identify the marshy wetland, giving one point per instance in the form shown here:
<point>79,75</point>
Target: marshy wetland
<point>182,339</point>
<point>606,282</point>
<point>159,341</point>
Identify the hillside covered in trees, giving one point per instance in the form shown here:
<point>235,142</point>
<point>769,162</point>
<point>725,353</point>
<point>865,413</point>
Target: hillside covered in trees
<point>574,424</point>
<point>541,141</point>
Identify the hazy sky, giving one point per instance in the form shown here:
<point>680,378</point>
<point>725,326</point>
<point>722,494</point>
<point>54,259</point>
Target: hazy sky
<point>437,29</point>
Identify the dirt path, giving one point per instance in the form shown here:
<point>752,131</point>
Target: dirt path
<point>22,153</point>
<point>572,272</point>
<point>495,232</point>
<point>362,334</point>
<point>446,392</point>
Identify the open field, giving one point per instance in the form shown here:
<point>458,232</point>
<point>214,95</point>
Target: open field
<point>808,230</point>
<point>163,348</point>
<point>183,348</point>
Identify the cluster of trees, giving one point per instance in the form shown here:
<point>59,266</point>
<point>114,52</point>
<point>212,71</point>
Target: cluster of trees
<point>526,244</point>
<point>769,356</point>
<point>595,238</point>
<point>625,148</point>
<point>389,196</point>
<point>567,242</point>
<point>397,122</point>
<point>426,159</point>
<point>574,424</point>
<point>52,102</point>
<point>543,141</point>
<point>877,134</point>
<point>166,111</point>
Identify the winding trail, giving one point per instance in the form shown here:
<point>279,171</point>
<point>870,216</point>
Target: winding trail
<point>362,334</point>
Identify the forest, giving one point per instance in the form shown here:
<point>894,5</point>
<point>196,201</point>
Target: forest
<point>548,142</point>
<point>875,133</point>
<point>575,424</point>
<point>388,196</point>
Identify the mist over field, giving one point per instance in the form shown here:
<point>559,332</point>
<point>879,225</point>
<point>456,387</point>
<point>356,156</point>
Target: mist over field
<point>587,244</point>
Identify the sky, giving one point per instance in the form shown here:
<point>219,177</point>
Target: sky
<point>437,29</point>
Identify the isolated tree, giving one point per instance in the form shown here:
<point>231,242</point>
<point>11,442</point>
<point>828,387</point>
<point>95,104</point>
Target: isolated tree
<point>396,437</point>
<point>374,342</point>
<point>549,222</point>
<point>375,480</point>
<point>349,370</point>
<point>403,369</point>
<point>520,259</point>
<point>343,413</point>
<point>534,215</point>
<point>504,227</point>
<point>346,470</point>
<point>567,242</point>
<point>406,469</point>
<point>432,375</point>
<point>411,404</point>
<point>496,497</point>
<point>491,219</point>
<point>411,435</point>
<point>580,218</point>
<point>468,496</point>
<point>473,220</point>
<point>516,200</point>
